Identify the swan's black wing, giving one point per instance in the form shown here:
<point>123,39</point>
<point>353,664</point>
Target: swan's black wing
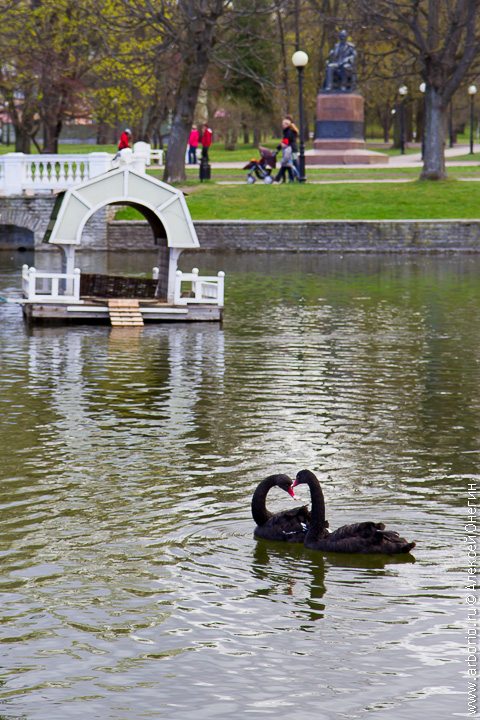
<point>287,526</point>
<point>363,529</point>
<point>378,541</point>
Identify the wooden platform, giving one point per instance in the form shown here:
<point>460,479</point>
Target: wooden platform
<point>125,312</point>
<point>97,310</point>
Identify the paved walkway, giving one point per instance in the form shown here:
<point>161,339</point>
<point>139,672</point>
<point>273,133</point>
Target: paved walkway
<point>394,161</point>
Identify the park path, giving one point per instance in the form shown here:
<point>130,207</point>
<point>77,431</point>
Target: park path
<point>394,161</point>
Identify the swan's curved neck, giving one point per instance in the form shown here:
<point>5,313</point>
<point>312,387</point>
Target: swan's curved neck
<point>259,509</point>
<point>317,524</point>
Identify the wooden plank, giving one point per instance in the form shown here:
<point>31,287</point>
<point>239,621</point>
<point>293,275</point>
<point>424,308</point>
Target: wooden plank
<point>123,302</point>
<point>125,312</point>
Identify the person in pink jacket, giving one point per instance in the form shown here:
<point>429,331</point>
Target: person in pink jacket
<point>193,141</point>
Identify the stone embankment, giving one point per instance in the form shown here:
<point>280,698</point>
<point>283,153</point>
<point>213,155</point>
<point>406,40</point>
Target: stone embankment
<point>314,236</point>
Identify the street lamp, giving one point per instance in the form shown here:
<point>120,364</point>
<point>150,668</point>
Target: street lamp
<point>472,91</point>
<point>402,91</point>
<point>300,59</point>
<point>423,89</point>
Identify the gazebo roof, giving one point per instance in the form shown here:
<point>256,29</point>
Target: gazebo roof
<point>159,202</point>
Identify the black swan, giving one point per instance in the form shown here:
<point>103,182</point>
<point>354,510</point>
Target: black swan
<point>289,525</point>
<point>365,537</point>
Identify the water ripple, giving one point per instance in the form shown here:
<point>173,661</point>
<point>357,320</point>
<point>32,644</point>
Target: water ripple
<point>132,586</point>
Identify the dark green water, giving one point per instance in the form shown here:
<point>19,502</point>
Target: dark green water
<point>132,586</point>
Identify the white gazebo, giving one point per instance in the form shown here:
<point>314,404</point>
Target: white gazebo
<point>167,213</point>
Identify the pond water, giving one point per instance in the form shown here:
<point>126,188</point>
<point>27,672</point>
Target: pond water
<point>132,585</point>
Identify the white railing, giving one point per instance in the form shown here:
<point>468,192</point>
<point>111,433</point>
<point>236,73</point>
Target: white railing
<point>50,286</point>
<point>200,289</point>
<point>65,287</point>
<point>55,171</point>
<point>21,173</point>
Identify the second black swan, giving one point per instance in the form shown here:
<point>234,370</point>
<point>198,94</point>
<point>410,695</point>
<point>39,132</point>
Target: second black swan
<point>288,525</point>
<point>364,537</point>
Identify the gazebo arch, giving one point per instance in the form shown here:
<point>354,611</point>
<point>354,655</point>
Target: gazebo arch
<point>163,206</point>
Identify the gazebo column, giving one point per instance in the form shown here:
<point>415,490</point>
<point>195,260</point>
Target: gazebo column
<point>68,266</point>
<point>68,259</point>
<point>172,270</point>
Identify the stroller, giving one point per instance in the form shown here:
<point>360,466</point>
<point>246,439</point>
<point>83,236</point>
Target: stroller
<point>262,168</point>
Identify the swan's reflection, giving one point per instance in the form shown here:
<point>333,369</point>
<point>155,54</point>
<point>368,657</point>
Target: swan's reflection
<point>282,570</point>
<point>290,569</point>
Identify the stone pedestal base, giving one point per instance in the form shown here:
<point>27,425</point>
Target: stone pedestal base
<point>341,156</point>
<point>339,132</point>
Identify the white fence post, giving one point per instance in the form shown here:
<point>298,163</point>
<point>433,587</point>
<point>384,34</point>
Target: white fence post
<point>177,297</point>
<point>196,287</point>
<point>98,163</point>
<point>32,282</point>
<point>14,173</point>
<point>221,286</point>
<point>76,283</point>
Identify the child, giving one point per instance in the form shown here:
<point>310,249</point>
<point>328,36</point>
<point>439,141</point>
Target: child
<point>286,162</point>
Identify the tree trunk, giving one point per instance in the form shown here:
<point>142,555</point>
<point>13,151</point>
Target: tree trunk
<point>185,103</point>
<point>196,59</point>
<point>51,132</point>
<point>22,140</point>
<point>285,89</point>
<point>434,138</point>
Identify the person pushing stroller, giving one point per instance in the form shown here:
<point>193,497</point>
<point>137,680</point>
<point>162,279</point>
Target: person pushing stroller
<point>286,164</point>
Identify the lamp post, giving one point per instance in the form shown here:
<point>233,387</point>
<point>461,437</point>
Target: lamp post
<point>472,91</point>
<point>402,91</point>
<point>423,88</point>
<point>300,59</point>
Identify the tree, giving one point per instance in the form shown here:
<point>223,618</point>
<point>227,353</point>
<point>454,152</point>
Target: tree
<point>247,58</point>
<point>49,68</point>
<point>197,37</point>
<point>442,41</point>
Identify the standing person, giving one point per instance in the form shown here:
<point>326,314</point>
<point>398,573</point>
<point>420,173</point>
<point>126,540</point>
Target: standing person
<point>206,140</point>
<point>286,164</point>
<point>193,141</point>
<point>125,139</point>
<point>290,131</point>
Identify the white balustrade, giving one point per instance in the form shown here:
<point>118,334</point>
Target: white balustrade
<point>50,286</point>
<point>52,173</point>
<point>205,289</point>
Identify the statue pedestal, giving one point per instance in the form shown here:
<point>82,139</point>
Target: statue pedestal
<point>339,132</point>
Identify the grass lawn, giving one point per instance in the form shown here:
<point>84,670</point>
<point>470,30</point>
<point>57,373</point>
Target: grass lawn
<point>448,199</point>
<point>368,201</point>
<point>416,200</point>
<point>326,174</point>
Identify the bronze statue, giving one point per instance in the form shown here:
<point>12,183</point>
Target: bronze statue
<point>340,71</point>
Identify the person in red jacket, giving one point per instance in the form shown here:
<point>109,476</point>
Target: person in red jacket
<point>125,138</point>
<point>206,140</point>
<point>193,141</point>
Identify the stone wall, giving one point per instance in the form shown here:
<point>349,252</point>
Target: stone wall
<point>314,236</point>
<point>33,213</point>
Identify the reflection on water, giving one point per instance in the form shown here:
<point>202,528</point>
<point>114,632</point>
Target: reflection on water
<point>132,586</point>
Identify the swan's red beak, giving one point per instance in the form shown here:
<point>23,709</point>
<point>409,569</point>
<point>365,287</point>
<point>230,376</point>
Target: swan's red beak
<point>290,492</point>
<point>295,483</point>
